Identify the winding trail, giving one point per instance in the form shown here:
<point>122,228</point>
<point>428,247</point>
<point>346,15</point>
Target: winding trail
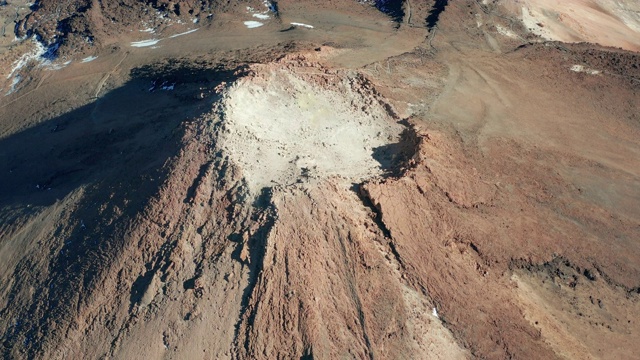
<point>106,77</point>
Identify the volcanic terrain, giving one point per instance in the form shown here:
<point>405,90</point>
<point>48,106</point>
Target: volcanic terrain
<point>334,179</point>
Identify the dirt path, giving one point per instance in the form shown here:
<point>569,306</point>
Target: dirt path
<point>107,75</point>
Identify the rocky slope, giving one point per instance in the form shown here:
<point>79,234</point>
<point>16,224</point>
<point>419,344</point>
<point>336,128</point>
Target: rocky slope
<point>76,25</point>
<point>441,184</point>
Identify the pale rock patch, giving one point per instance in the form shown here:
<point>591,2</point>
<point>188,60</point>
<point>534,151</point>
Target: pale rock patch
<point>282,129</point>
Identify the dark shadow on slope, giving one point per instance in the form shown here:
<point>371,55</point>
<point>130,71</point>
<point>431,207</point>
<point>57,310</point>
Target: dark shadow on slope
<point>393,158</point>
<point>256,244</point>
<point>393,8</point>
<point>390,156</point>
<point>116,148</point>
<point>273,7</point>
<point>434,14</point>
<point>308,356</point>
<point>358,189</point>
<point>139,288</point>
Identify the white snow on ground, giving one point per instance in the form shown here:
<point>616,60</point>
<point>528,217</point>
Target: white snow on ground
<point>152,42</point>
<point>257,14</point>
<point>253,24</point>
<point>32,55</point>
<point>301,24</point>
<point>148,30</point>
<point>14,83</point>
<point>145,43</point>
<point>184,33</point>
<point>58,66</point>
<point>583,69</point>
<point>434,312</point>
<point>88,59</point>
<point>165,85</point>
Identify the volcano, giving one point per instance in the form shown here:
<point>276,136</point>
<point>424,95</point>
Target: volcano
<point>320,180</point>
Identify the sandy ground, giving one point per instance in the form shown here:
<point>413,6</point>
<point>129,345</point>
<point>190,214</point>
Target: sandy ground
<point>359,189</point>
<point>10,13</point>
<point>609,23</point>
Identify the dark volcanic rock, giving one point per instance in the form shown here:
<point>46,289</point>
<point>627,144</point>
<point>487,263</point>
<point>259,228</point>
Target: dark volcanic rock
<point>84,23</point>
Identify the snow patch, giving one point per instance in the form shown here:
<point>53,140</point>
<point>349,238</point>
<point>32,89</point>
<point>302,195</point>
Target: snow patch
<point>14,83</point>
<point>184,33</point>
<point>301,24</point>
<point>88,59</point>
<point>434,312</point>
<point>164,85</point>
<point>58,66</point>
<point>583,69</point>
<point>253,24</point>
<point>35,54</point>
<point>257,14</point>
<point>145,43</point>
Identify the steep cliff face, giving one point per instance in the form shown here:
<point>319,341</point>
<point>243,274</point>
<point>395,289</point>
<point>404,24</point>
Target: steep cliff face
<point>330,184</point>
